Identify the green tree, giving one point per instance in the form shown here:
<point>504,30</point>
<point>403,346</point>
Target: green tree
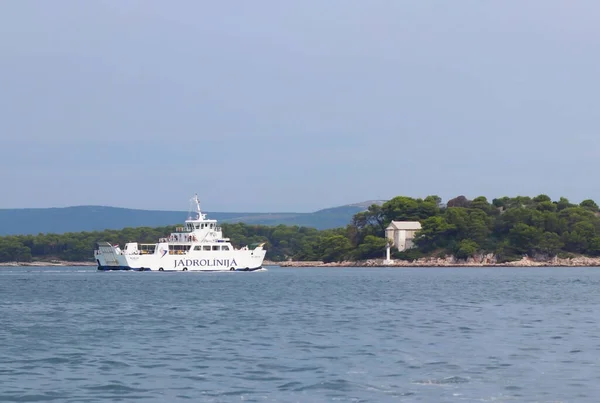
<point>546,206</point>
<point>482,204</point>
<point>479,227</point>
<point>563,203</point>
<point>542,199</point>
<point>590,205</point>
<point>549,243</point>
<point>466,248</point>
<point>401,209</point>
<point>372,248</point>
<point>336,248</point>
<point>524,238</point>
<point>434,199</point>
<point>435,233</point>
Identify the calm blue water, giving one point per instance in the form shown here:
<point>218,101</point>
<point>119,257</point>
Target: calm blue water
<point>301,335</point>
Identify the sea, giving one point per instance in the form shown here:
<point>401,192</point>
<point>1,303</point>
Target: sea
<point>300,335</point>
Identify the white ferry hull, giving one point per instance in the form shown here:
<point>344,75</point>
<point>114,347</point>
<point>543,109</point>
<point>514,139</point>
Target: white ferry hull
<point>244,260</point>
<point>199,246</point>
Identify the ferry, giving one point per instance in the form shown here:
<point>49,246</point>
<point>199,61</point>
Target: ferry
<point>197,246</point>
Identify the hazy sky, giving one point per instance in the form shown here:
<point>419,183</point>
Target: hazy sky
<point>296,106</point>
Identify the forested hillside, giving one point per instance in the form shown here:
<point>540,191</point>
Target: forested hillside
<point>98,218</point>
<point>507,227</point>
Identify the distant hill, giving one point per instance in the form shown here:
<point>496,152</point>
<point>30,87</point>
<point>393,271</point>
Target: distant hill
<point>93,218</point>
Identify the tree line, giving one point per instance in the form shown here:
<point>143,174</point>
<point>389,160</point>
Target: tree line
<point>508,227</point>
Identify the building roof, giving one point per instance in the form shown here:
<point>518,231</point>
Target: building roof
<point>405,225</point>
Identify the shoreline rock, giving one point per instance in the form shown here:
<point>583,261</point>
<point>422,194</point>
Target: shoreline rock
<point>476,261</point>
<point>52,263</point>
<point>479,261</point>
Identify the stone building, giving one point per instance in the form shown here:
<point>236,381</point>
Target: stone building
<point>402,233</point>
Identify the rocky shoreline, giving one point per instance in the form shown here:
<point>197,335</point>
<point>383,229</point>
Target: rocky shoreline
<point>58,263</point>
<point>478,261</point>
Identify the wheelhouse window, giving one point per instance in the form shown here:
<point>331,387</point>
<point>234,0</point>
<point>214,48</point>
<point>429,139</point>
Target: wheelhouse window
<point>206,247</point>
<point>216,247</point>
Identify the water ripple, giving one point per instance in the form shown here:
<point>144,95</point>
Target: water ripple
<point>318,335</point>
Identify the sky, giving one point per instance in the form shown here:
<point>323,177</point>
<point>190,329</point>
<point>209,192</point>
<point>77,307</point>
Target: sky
<point>277,106</point>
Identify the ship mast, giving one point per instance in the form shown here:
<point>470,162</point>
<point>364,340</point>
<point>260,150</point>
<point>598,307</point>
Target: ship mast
<point>196,202</point>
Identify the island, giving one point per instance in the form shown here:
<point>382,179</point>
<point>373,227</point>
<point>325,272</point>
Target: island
<point>508,231</point>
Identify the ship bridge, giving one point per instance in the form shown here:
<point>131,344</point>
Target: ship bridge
<point>198,228</point>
